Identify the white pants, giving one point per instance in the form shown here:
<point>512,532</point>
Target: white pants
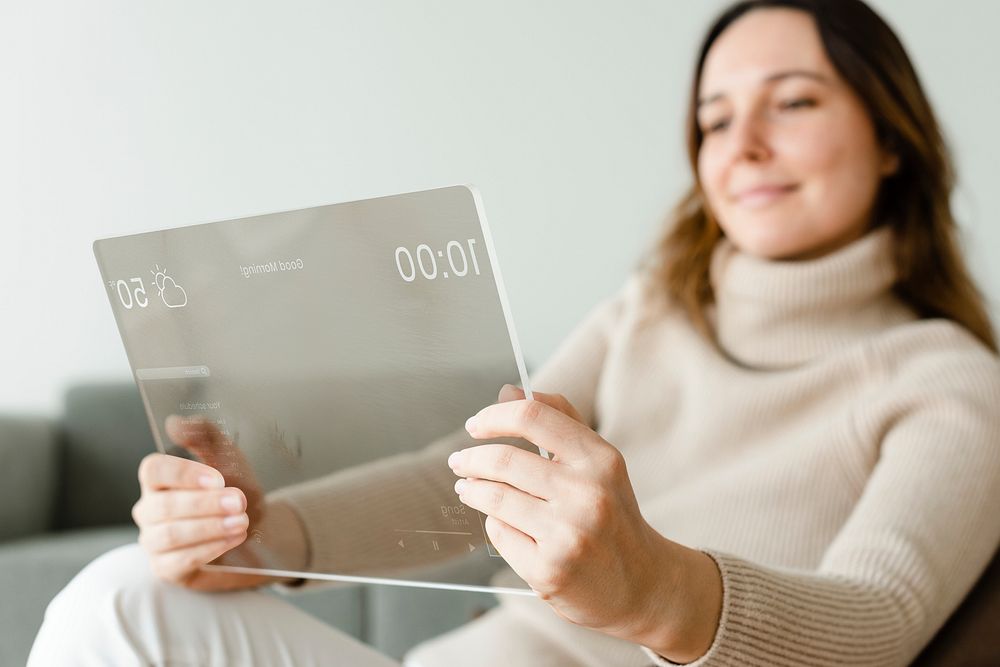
<point>115,612</point>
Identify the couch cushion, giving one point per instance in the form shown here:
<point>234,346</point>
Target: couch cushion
<point>105,434</point>
<point>33,570</point>
<point>339,606</point>
<point>400,617</point>
<point>28,475</point>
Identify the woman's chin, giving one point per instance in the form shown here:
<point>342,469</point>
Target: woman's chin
<point>771,241</point>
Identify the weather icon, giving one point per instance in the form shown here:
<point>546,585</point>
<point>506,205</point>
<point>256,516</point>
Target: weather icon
<point>173,295</point>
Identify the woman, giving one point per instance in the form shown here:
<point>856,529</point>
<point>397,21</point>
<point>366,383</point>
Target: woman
<point>797,454</point>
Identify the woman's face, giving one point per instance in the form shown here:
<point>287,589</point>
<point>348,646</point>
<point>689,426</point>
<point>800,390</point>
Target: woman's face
<point>790,164</point>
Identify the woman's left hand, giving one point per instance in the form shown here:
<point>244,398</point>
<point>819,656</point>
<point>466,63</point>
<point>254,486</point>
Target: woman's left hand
<point>569,526</point>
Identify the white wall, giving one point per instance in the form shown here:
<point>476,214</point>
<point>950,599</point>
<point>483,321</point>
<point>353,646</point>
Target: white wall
<point>121,116</point>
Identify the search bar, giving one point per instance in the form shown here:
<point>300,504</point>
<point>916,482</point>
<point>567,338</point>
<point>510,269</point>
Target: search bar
<point>172,373</point>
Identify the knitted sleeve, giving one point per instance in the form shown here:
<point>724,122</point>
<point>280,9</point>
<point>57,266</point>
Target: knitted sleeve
<point>920,535</point>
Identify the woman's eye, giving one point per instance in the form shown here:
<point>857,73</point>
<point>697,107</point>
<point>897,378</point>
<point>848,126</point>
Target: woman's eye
<point>715,126</point>
<point>798,103</point>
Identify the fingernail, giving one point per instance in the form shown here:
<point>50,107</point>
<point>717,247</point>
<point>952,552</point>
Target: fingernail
<point>470,424</point>
<point>211,482</point>
<point>231,503</point>
<point>460,486</point>
<point>236,522</point>
<point>455,459</point>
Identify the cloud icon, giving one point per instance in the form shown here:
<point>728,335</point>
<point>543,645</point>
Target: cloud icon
<point>173,295</point>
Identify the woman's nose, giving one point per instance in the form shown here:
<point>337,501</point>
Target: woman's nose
<point>748,139</point>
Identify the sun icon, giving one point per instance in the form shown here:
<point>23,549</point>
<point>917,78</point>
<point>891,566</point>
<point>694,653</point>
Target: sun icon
<point>159,276</point>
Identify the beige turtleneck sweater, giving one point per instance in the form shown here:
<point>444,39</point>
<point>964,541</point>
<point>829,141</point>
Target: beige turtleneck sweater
<point>839,459</point>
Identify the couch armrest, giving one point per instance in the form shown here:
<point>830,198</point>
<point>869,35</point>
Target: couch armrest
<point>29,475</point>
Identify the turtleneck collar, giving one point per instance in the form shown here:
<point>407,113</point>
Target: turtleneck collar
<point>783,313</point>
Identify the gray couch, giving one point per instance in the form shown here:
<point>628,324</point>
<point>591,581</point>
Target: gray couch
<point>67,487</point>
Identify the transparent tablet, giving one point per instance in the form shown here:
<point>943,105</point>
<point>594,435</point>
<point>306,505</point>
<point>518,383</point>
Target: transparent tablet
<point>325,361</point>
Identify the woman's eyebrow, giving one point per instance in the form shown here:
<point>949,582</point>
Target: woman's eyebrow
<point>771,78</point>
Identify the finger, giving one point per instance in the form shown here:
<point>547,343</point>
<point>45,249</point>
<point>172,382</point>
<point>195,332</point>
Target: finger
<point>535,421</point>
<point>517,549</point>
<point>509,464</point>
<point>198,435</point>
<point>160,506</point>
<point>163,537</point>
<point>163,471</point>
<point>202,437</point>
<point>510,392</point>
<point>528,514</point>
<point>179,564</point>
<point>560,403</point>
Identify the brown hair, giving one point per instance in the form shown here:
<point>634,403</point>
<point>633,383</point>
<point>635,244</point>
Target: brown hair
<point>931,274</point>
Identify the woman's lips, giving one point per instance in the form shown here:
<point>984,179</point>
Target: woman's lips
<point>763,195</point>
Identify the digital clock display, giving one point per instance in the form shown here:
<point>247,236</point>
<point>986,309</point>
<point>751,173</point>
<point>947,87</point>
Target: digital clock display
<point>458,261</point>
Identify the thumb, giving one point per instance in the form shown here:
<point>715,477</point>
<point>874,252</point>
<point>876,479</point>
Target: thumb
<point>201,436</point>
<point>196,434</point>
<point>511,393</point>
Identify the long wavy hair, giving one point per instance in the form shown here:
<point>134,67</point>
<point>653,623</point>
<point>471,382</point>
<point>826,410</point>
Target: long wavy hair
<point>932,276</point>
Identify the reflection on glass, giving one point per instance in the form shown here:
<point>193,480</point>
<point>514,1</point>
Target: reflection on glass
<point>325,361</point>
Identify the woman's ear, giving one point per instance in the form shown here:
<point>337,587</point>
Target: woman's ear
<point>889,164</point>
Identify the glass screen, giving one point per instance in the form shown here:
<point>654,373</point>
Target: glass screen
<point>325,360</point>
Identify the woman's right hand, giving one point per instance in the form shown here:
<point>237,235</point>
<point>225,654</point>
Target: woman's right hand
<point>188,516</point>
